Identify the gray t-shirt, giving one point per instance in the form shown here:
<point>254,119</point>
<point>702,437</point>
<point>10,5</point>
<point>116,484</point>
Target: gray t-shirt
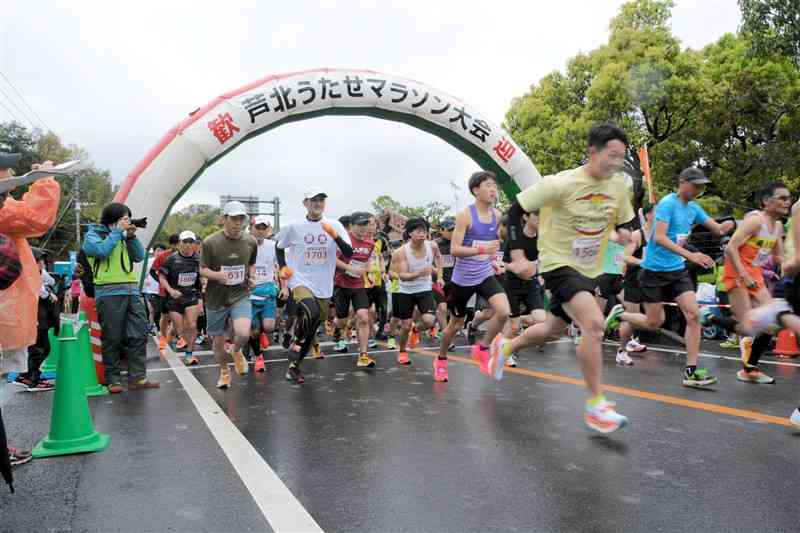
<point>233,257</point>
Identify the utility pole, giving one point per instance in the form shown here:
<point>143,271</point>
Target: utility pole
<point>77,213</point>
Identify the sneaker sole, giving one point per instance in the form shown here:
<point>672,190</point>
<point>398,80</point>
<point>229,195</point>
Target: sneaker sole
<point>770,381</point>
<point>603,428</point>
<point>699,384</point>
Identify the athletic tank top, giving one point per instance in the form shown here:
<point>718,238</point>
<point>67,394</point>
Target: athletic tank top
<point>755,252</point>
<point>471,271</point>
<point>415,264</point>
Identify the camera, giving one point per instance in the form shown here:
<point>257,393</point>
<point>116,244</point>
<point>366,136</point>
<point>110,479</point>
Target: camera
<point>139,222</point>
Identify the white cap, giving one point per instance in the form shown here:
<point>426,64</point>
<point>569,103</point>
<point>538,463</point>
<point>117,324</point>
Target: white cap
<point>187,235</point>
<point>311,192</point>
<point>262,219</point>
<point>234,209</point>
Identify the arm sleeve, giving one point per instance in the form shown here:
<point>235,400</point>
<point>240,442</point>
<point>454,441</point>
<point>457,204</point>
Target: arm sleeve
<point>35,213</point>
<point>663,211</point>
<point>280,255</point>
<point>344,247</point>
<point>94,246</point>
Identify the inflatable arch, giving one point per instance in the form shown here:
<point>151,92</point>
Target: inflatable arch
<point>170,168</point>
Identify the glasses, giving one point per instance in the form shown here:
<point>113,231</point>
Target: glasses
<point>188,241</point>
<point>782,198</point>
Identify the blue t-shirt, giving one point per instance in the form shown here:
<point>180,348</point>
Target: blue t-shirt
<point>680,218</point>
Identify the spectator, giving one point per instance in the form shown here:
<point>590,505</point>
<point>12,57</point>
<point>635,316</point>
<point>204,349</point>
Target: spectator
<point>74,293</point>
<point>21,219</point>
<point>112,248</point>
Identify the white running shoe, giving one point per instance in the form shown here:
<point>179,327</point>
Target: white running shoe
<point>511,361</point>
<point>497,359</point>
<point>635,346</point>
<point>795,418</point>
<point>764,319</point>
<point>603,417</point>
<point>623,359</point>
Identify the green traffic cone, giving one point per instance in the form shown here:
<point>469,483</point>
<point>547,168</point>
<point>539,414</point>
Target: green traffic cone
<point>89,374</point>
<point>50,365</point>
<point>71,428</point>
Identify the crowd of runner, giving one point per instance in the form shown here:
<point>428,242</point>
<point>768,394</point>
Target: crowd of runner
<point>569,254</point>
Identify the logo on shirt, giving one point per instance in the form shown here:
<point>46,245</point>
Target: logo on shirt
<point>322,238</point>
<point>309,238</point>
<point>234,255</point>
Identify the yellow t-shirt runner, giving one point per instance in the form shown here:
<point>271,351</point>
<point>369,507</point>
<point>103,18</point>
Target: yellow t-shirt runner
<point>373,277</point>
<point>576,216</point>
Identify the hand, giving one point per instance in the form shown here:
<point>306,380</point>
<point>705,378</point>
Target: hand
<point>53,298</point>
<point>727,226</point>
<point>251,282</point>
<point>491,247</point>
<point>124,223</point>
<point>425,272</point>
<point>330,230</point>
<point>701,259</point>
<point>174,294</point>
<point>42,166</point>
<point>357,271</point>
<point>748,282</point>
<point>499,268</point>
<point>130,233</point>
<point>284,295</point>
<point>286,272</point>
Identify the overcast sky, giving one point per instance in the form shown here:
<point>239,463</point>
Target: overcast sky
<point>113,77</point>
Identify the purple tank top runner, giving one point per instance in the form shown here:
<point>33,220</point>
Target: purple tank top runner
<point>471,271</point>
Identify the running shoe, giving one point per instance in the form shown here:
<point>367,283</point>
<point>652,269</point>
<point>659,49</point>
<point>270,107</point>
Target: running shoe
<point>731,342</point>
<point>190,361</point>
<point>43,385</point>
<point>745,347</point>
<point>115,388</point>
<point>263,341</point>
<point>224,380</point>
<point>181,344</point>
<point>341,346</point>
<point>162,343</point>
<point>260,366</point>
<point>623,359</point>
<point>413,338</point>
<point>481,356</point>
<point>764,319</point>
<point>635,346</point>
<point>20,381</point>
<point>18,457</point>
<point>372,344</point>
<point>603,418</point>
<point>754,375</point>
<point>240,363</point>
<point>511,361</point>
<point>403,358</point>
<point>613,318</point>
<point>365,361</point>
<point>498,357</point>
<point>439,335</point>
<point>392,343</point>
<point>440,370</point>
<point>795,418</point>
<point>294,374</point>
<point>452,347</point>
<point>699,378</point>
<point>316,351</point>
<point>201,339</point>
<point>143,384</point>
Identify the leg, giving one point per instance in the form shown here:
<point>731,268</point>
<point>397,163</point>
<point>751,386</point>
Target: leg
<point>136,334</point>
<point>500,311</point>
<point>110,311</point>
<point>362,329</point>
<point>687,301</point>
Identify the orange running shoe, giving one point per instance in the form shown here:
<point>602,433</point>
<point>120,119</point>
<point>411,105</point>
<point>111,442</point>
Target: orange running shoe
<point>264,341</point>
<point>181,344</point>
<point>260,366</point>
<point>403,359</point>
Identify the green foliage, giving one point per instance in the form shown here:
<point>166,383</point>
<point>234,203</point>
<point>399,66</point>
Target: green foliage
<point>720,108</point>
<point>202,219</point>
<point>433,212</point>
<point>773,26</point>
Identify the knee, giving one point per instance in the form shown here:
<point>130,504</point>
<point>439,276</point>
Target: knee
<point>692,316</point>
<point>362,316</point>
<point>594,328</point>
<point>406,324</point>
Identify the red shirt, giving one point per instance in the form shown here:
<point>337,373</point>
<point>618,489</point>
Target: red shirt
<point>157,262</point>
<point>362,251</point>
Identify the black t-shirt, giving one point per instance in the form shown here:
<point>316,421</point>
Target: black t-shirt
<point>517,240</point>
<point>447,258</point>
<point>183,274</point>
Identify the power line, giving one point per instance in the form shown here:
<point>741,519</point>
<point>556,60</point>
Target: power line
<point>24,101</point>
<point>13,116</point>
<point>25,116</point>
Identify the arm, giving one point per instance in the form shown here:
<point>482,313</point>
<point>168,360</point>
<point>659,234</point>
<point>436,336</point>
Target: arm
<point>347,267</point>
<point>400,267</point>
<point>662,239</point>
<point>520,265</point>
<point>630,248</point>
<point>94,246</point>
<point>438,262</point>
<point>35,213</point>
<point>791,266</point>
<point>162,280</point>
<point>719,229</point>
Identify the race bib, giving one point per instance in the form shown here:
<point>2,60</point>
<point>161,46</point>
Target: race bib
<point>262,274</point>
<point>316,255</point>
<point>356,264</point>
<point>761,257</point>
<point>586,251</point>
<point>448,261</point>
<point>187,279</point>
<point>234,275</point>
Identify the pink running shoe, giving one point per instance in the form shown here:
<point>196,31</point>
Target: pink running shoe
<point>440,370</point>
<point>481,356</point>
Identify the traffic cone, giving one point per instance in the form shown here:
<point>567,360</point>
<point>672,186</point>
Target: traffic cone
<point>786,344</point>
<point>71,428</point>
<point>50,365</point>
<point>87,371</point>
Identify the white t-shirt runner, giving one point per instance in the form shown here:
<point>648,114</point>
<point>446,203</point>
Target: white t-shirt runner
<point>265,268</point>
<point>311,254</point>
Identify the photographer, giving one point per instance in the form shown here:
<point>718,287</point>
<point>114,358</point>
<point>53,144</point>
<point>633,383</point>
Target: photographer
<point>112,248</point>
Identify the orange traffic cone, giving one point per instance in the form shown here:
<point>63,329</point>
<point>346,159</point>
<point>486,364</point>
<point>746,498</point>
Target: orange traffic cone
<point>786,344</point>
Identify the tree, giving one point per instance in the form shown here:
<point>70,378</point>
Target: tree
<point>773,26</point>
<point>433,212</point>
<point>202,219</point>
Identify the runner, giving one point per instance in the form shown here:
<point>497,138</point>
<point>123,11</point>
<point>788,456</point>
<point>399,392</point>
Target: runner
<point>474,245</point>
<point>349,281</point>
<point>414,265</point>
<point>758,238</point>
<point>578,210</point>
<point>179,276</point>
<point>228,262</point>
<point>525,294</point>
<point>263,296</point>
<point>164,325</point>
<point>373,282</point>
<point>664,276</point>
<point>151,289</point>
<point>447,226</point>
<point>307,271</point>
<point>632,292</point>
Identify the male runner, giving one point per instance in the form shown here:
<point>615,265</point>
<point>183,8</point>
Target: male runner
<point>307,271</point>
<point>447,226</point>
<point>164,325</point>
<point>578,210</point>
<point>413,263</point>
<point>263,296</point>
<point>179,276</point>
<point>228,262</point>
<point>664,276</point>
<point>474,245</point>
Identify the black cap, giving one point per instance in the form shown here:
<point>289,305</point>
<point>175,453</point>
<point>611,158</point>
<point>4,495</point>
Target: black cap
<point>694,176</point>
<point>9,160</point>
<point>360,217</point>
